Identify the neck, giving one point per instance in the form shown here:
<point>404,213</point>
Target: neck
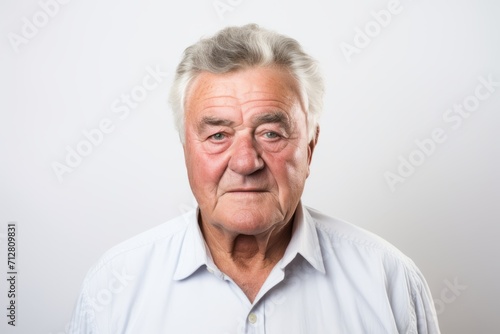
<point>247,259</point>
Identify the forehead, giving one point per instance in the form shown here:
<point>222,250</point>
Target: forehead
<point>246,87</point>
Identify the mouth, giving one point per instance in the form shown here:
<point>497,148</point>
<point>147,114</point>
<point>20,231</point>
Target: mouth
<point>246,190</point>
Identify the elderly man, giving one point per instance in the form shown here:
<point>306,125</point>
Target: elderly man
<point>251,258</point>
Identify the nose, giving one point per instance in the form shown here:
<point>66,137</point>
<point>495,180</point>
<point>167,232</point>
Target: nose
<point>245,158</point>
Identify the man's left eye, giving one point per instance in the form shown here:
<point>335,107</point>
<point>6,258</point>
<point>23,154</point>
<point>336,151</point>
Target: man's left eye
<point>271,135</point>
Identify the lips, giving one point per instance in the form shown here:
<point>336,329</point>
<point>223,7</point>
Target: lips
<point>246,190</point>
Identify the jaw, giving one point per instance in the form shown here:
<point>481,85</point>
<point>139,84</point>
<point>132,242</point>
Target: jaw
<point>248,213</point>
<point>245,235</point>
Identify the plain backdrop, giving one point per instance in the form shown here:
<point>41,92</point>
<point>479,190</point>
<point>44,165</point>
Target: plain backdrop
<point>385,95</point>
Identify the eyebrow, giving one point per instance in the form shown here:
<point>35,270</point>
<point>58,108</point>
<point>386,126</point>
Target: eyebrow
<point>273,117</point>
<point>213,121</point>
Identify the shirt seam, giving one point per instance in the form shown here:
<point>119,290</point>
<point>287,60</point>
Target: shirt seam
<point>362,243</point>
<point>106,259</point>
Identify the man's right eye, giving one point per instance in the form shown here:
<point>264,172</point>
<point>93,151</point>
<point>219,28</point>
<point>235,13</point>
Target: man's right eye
<point>218,136</point>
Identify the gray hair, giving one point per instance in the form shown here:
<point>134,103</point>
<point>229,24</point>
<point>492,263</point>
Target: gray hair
<point>235,48</point>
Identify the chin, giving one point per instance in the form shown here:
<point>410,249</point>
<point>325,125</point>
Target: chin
<point>250,221</point>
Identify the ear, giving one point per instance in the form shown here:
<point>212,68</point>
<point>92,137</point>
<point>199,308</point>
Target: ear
<point>310,149</point>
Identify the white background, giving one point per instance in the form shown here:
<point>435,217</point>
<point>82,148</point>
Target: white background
<point>64,79</point>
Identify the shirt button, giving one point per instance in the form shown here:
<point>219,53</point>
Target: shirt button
<point>252,318</point>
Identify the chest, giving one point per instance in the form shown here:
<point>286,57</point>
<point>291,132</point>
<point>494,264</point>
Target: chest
<point>302,302</point>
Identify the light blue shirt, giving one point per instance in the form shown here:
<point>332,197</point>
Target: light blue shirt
<point>333,278</point>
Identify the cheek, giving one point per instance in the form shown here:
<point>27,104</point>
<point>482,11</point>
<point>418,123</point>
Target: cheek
<point>289,168</point>
<point>204,170</point>
<point>298,158</point>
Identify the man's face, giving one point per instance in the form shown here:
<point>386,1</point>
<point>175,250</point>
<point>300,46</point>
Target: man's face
<point>246,150</point>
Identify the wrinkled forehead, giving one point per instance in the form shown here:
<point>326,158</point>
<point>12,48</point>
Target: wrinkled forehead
<point>242,86</point>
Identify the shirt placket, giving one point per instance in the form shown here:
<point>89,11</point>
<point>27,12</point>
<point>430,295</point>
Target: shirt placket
<point>255,321</point>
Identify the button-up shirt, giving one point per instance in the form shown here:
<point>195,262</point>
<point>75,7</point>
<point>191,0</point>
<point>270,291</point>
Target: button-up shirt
<point>333,278</point>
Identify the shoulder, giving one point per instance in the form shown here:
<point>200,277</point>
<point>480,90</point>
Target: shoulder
<point>373,271</point>
<point>146,245</point>
<point>128,271</point>
<point>350,243</point>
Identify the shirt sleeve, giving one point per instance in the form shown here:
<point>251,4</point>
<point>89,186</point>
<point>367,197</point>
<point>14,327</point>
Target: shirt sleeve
<point>424,313</point>
<point>83,319</point>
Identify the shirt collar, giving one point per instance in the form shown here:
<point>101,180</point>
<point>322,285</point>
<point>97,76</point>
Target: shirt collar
<point>304,241</point>
<point>194,252</point>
